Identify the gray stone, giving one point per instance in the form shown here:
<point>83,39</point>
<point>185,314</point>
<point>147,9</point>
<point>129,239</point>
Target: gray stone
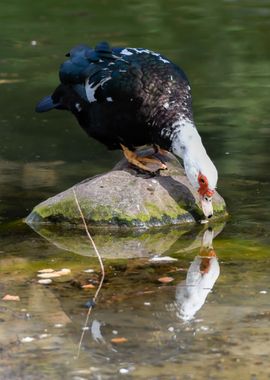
<point>125,197</point>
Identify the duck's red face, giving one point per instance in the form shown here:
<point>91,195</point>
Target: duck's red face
<point>205,195</point>
<point>203,186</point>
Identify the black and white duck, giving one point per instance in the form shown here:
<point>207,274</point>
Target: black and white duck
<point>129,97</point>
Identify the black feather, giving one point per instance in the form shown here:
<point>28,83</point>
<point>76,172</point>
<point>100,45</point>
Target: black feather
<point>132,96</point>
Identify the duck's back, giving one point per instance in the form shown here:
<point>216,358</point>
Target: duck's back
<point>129,96</point>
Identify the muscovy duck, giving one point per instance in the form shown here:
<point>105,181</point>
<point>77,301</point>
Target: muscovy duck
<point>129,97</point>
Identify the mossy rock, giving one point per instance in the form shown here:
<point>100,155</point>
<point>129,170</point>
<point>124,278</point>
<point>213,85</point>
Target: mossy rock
<point>125,197</point>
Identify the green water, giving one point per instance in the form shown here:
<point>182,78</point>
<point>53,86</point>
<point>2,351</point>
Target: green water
<point>222,333</point>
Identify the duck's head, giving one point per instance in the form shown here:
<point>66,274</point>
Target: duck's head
<point>203,176</point>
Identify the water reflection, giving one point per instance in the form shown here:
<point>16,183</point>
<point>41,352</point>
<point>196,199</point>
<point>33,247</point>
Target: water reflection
<point>107,328</point>
<point>134,308</point>
<point>202,274</point>
<point>126,243</point>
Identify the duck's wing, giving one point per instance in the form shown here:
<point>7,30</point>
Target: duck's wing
<point>122,75</point>
<point>97,75</point>
<point>87,72</point>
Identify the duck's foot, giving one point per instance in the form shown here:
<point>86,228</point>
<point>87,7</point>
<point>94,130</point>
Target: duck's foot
<point>159,150</point>
<point>148,164</point>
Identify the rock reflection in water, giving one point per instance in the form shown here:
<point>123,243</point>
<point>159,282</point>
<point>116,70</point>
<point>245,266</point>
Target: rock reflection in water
<point>202,274</point>
<point>122,243</point>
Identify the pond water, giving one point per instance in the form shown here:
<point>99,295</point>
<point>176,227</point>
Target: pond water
<point>212,321</point>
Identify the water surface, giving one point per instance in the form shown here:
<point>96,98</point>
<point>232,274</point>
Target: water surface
<point>184,329</point>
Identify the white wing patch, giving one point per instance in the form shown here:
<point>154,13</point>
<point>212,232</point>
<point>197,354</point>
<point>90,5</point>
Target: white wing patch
<point>166,105</point>
<point>78,106</point>
<point>129,51</point>
<point>109,99</point>
<point>90,89</point>
<point>162,59</point>
<point>126,52</point>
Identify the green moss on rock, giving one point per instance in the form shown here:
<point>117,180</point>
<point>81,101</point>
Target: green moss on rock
<point>124,197</point>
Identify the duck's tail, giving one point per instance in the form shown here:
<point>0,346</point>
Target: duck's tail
<point>46,104</point>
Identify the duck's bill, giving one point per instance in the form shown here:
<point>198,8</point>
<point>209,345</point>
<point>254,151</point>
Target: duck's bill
<point>207,206</point>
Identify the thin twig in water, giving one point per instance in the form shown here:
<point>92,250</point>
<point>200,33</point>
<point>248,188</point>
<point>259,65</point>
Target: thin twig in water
<point>101,267</point>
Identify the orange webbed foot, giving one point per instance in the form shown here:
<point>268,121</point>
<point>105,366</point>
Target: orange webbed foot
<point>146,163</point>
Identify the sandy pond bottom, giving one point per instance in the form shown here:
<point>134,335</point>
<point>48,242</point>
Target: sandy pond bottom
<point>210,322</point>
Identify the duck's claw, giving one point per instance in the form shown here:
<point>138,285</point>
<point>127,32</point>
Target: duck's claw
<point>146,163</point>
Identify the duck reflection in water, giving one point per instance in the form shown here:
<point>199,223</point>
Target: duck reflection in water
<point>202,274</point>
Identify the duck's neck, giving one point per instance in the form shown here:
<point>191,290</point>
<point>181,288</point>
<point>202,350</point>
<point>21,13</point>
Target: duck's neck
<point>186,142</point>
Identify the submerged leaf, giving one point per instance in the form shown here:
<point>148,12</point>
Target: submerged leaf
<point>88,286</point>
<point>119,340</point>
<point>9,297</point>
<point>27,339</point>
<point>48,270</point>
<point>165,280</point>
<point>52,274</point>
<point>45,281</point>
